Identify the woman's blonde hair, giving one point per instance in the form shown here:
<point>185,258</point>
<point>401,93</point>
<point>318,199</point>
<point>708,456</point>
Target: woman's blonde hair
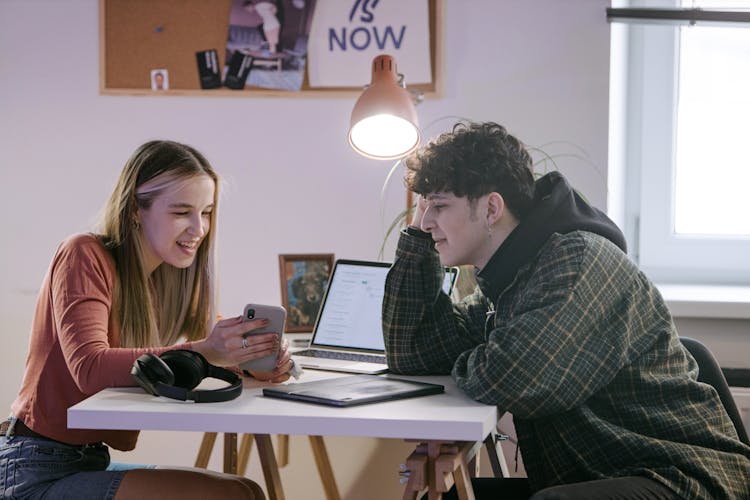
<point>158,310</point>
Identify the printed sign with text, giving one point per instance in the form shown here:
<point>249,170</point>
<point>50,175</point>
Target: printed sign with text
<point>346,35</point>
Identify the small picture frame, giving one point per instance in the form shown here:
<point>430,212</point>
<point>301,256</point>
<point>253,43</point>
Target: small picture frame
<point>159,80</point>
<point>304,278</point>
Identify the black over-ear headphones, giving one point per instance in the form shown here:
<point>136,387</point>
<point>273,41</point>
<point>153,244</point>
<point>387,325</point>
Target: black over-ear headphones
<point>176,373</point>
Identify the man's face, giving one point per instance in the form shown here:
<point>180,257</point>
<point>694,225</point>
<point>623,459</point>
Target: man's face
<point>458,228</point>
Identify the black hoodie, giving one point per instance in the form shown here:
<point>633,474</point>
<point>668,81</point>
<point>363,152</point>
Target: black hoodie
<point>557,208</point>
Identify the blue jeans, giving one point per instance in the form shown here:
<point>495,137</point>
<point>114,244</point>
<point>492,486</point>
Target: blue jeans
<point>37,468</point>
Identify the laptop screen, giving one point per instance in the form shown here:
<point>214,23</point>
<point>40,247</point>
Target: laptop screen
<point>350,315</point>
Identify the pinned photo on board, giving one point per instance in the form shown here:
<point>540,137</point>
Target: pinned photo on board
<point>267,43</point>
<point>208,68</point>
<point>159,79</point>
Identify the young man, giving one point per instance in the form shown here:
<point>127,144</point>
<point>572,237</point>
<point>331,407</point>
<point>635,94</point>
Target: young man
<point>563,331</point>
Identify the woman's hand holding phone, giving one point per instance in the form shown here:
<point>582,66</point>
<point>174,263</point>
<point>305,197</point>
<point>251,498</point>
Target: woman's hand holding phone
<point>252,341</point>
<point>230,345</point>
<point>275,316</point>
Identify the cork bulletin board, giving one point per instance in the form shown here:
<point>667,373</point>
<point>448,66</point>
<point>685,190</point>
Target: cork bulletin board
<point>138,36</point>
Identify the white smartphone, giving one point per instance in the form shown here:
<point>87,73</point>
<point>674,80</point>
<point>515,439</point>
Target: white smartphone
<point>276,316</point>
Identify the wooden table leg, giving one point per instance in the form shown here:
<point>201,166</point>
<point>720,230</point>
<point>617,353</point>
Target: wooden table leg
<point>416,464</point>
<point>282,452</point>
<point>456,465</point>
<point>437,465</point>
<point>236,463</point>
<point>324,468</point>
<point>463,484</point>
<point>270,467</point>
<point>230,452</point>
<point>204,452</point>
<point>246,445</point>
<point>436,482</point>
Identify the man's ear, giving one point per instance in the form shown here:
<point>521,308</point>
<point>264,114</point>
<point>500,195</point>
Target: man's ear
<point>495,207</point>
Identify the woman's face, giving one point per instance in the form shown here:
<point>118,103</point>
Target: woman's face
<point>177,222</point>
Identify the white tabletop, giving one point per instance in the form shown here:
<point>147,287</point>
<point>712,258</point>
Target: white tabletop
<point>448,416</point>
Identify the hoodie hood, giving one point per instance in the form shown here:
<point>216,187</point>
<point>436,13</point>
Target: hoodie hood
<point>557,208</point>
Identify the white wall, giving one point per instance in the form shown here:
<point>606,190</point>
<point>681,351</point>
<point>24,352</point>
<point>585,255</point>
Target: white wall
<point>293,185</point>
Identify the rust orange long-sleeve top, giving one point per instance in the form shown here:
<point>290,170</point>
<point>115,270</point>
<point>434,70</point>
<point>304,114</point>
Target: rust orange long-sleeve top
<point>74,350</point>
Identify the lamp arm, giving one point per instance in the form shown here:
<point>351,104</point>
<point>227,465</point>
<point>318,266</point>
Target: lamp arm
<point>383,189</point>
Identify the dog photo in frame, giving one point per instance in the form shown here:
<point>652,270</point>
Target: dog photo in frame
<point>304,278</point>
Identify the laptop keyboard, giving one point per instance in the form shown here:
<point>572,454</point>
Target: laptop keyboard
<point>347,356</point>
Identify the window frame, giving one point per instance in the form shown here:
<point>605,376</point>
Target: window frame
<point>652,78</point>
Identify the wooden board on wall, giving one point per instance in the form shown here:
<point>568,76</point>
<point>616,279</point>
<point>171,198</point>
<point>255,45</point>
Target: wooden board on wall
<point>137,36</point>
<point>141,35</point>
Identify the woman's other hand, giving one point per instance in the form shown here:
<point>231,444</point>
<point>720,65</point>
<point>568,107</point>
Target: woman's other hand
<point>284,365</point>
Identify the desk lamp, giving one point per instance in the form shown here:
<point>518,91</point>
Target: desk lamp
<point>384,123</point>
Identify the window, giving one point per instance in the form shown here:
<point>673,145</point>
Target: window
<point>687,148</point>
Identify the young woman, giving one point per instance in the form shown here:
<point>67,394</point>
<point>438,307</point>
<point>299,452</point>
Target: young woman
<point>143,284</point>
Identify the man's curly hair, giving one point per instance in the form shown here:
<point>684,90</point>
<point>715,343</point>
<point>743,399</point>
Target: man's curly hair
<point>472,160</point>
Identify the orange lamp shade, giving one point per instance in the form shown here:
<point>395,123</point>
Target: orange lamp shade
<point>384,123</point>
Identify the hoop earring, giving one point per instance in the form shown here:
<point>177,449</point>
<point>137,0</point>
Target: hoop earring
<point>136,224</point>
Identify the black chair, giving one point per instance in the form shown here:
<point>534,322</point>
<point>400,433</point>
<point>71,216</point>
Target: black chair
<point>710,373</point>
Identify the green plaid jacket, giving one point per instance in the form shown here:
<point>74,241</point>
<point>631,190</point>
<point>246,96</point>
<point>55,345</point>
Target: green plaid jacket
<point>582,350</point>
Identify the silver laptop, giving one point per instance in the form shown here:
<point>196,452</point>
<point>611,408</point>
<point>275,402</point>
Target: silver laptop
<point>348,333</point>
